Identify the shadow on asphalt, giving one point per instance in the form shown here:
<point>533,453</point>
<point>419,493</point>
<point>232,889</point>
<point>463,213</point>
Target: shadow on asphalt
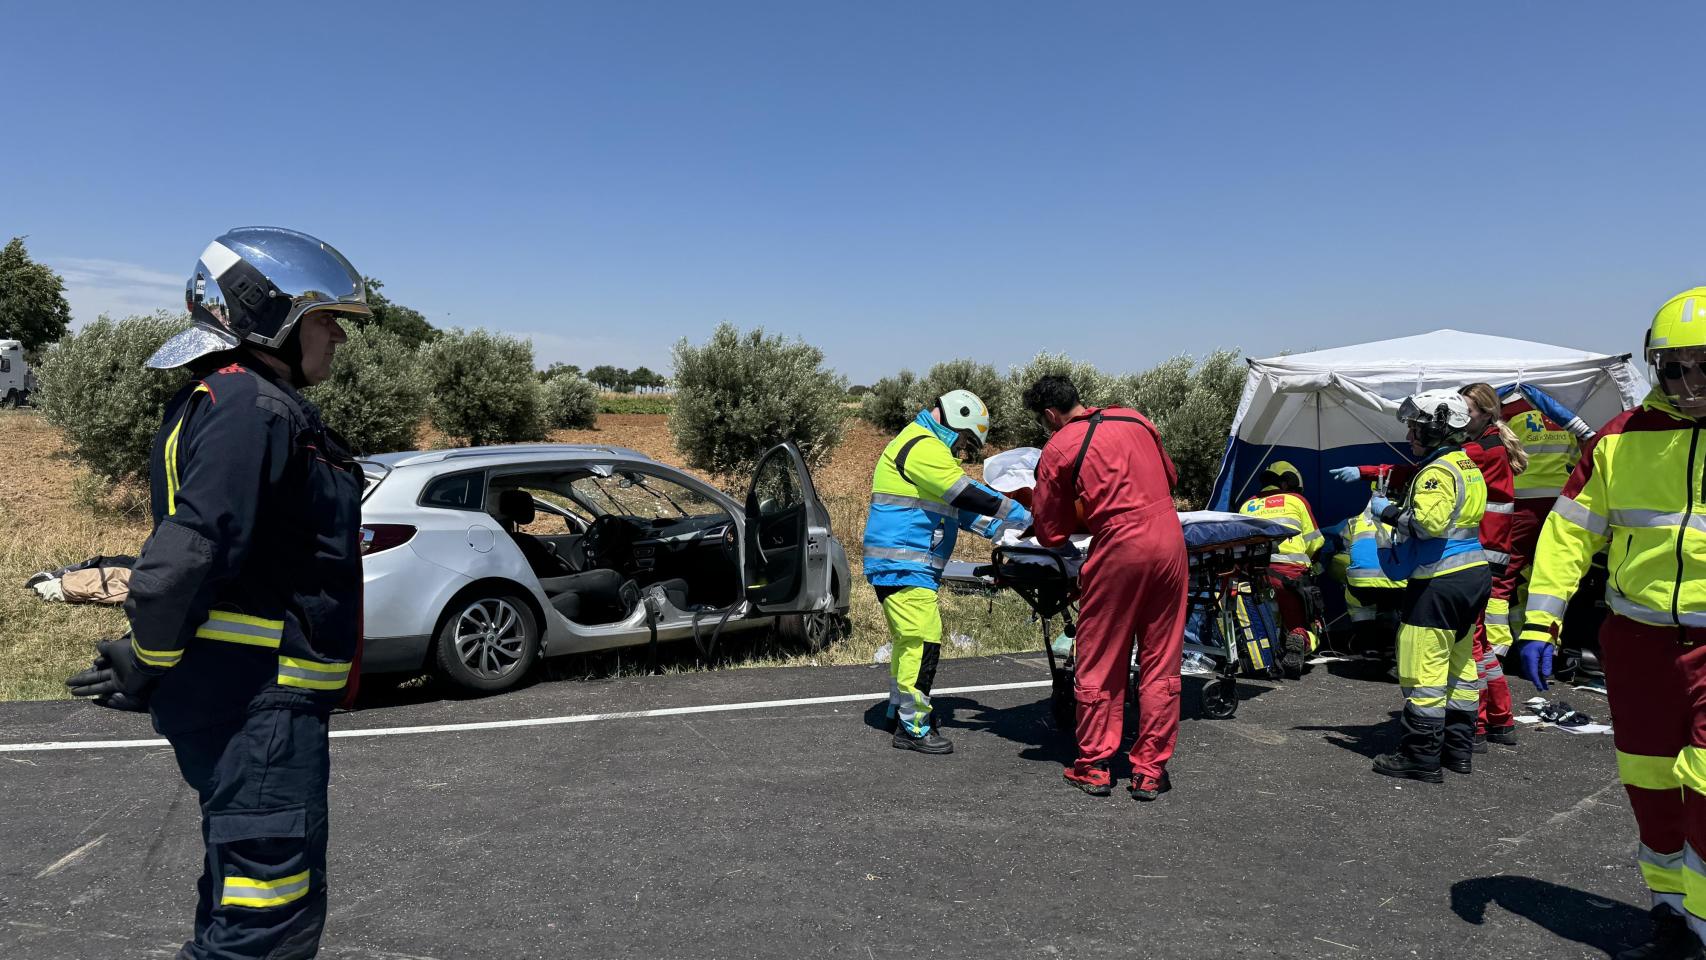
<point>1368,739</point>
<point>1602,924</point>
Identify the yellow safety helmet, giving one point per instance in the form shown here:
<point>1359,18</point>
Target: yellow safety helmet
<point>1676,350</point>
<point>1279,470</point>
<point>1681,322</point>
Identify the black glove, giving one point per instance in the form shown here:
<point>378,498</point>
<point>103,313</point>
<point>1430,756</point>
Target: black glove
<point>115,679</point>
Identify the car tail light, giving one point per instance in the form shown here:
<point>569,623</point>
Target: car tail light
<point>383,536</point>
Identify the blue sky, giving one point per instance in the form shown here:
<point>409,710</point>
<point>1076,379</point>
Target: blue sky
<point>899,183</point>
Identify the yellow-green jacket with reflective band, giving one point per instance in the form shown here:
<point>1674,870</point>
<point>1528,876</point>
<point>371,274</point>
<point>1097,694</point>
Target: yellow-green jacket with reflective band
<point>1553,453</point>
<point>1288,510</point>
<point>1437,530</point>
<point>920,500</point>
<point>1638,491</point>
<point>1363,536</point>
<point>251,581</point>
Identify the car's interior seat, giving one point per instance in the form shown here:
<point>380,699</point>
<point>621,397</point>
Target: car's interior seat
<point>515,510</point>
<point>603,596</point>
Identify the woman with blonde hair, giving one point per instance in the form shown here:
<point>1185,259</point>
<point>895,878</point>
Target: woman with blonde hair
<point>1499,454</point>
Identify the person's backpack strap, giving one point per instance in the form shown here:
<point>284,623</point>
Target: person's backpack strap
<point>1095,420</point>
<point>900,458</point>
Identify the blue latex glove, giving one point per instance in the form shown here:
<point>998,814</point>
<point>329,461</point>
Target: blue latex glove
<point>1346,474</point>
<point>1536,660</point>
<point>1378,504</point>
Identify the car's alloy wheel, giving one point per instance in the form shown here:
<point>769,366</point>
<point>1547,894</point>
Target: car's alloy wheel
<point>488,643</point>
<point>812,632</point>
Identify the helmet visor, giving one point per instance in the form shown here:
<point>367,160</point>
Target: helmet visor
<point>1680,373</point>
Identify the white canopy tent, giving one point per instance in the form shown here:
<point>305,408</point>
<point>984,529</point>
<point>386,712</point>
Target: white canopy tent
<point>1338,407</point>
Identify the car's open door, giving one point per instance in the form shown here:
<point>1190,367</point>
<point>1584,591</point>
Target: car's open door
<point>786,555</point>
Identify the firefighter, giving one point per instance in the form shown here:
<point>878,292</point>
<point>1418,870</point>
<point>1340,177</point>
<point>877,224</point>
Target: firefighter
<point>1109,462</point>
<point>1436,546</point>
<point>1638,491</point>
<point>1282,501</point>
<point>244,602</point>
<point>920,500</point>
<point>1500,456</point>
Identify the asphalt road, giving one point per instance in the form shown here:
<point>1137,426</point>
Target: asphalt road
<point>796,831</point>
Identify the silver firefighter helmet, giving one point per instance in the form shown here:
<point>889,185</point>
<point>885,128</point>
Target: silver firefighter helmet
<point>252,285</point>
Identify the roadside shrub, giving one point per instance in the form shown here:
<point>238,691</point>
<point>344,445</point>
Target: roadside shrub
<point>483,387</point>
<point>1014,426</point>
<point>375,397</point>
<point>1194,429</point>
<point>887,404</point>
<point>95,388</point>
<point>738,394</point>
<point>569,402</point>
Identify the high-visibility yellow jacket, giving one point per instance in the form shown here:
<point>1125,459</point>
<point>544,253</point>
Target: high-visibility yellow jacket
<point>1292,511</point>
<point>1438,528</point>
<point>1553,452</point>
<point>1364,536</point>
<point>1639,491</point>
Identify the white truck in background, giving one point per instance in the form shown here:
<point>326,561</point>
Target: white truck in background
<point>17,380</point>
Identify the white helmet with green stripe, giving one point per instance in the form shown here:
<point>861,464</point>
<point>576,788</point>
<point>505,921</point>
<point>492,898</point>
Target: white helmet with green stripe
<point>965,414</point>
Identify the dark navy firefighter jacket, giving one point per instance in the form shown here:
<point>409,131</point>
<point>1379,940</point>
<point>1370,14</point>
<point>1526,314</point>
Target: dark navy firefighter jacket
<point>250,585</point>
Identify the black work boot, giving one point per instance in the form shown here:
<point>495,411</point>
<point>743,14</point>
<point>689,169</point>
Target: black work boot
<point>1296,649</point>
<point>1672,940</point>
<point>932,742</point>
<point>1504,735</point>
<point>1457,747</point>
<point>1406,768</point>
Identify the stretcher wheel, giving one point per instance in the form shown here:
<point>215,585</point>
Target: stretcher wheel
<point>1220,699</point>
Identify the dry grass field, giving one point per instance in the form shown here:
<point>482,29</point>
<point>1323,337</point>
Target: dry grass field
<point>44,525</point>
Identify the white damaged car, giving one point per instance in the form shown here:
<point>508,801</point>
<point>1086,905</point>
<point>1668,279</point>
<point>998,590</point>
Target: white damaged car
<point>479,561</point>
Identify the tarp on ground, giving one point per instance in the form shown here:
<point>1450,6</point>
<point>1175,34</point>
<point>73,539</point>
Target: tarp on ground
<point>1338,407</point>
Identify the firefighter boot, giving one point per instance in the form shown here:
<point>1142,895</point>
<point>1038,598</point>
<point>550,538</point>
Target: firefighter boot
<point>1672,940</point>
<point>931,742</point>
<point>1459,746</point>
<point>1502,735</point>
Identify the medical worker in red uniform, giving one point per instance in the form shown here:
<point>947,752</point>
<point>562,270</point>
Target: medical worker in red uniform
<point>1110,462</point>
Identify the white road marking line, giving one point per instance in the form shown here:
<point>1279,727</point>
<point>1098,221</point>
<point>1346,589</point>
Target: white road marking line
<point>543,721</point>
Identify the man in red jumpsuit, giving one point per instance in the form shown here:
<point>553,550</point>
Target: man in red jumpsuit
<point>1110,463</point>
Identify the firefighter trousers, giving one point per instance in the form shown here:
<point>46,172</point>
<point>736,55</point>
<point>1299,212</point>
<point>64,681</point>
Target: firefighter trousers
<point>1131,586</point>
<point>1436,665</point>
<point>1657,688</point>
<point>915,634</point>
<point>1493,637</point>
<point>261,780</point>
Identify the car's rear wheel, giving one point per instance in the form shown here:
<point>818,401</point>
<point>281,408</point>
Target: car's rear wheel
<point>488,642</point>
<point>811,632</point>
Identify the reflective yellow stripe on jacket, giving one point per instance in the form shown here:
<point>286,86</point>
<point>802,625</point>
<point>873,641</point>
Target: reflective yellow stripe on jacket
<point>1641,496</point>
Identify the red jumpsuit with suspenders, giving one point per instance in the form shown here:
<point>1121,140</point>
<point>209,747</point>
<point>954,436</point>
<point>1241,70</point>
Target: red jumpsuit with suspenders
<point>1132,585</point>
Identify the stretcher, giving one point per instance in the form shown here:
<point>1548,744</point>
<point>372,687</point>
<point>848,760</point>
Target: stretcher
<point>1232,618</point>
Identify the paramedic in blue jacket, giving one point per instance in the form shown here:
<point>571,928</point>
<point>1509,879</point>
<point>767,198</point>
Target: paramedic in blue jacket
<point>920,500</point>
<point>245,602</point>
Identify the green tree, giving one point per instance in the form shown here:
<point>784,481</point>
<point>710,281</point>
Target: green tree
<point>645,379</point>
<point>95,388</point>
<point>569,402</point>
<point>739,394</point>
<point>32,299</point>
<point>1195,428</point>
<point>887,405</point>
<point>482,387</point>
<point>604,376</point>
<point>1014,426</point>
<point>405,323</point>
<point>558,369</point>
<point>376,396</point>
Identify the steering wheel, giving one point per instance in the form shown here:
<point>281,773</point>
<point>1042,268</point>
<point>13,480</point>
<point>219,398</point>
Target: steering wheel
<point>601,537</point>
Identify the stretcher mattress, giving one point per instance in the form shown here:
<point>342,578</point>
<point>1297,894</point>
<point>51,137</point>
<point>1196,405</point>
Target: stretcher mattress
<point>1205,531</point>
